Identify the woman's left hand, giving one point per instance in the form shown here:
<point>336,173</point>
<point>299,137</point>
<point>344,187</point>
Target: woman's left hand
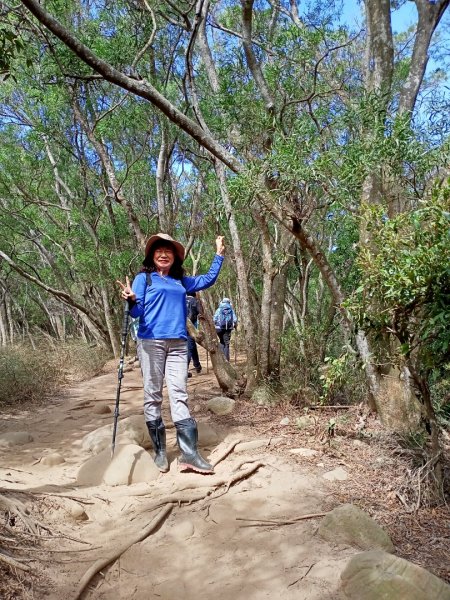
<point>220,245</point>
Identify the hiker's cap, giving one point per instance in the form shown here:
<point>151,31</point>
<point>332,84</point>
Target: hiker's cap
<point>227,300</point>
<point>179,248</point>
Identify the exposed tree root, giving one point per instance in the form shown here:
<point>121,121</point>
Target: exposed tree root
<point>15,508</point>
<point>267,522</point>
<point>11,562</point>
<point>106,560</point>
<point>225,453</point>
<point>169,502</point>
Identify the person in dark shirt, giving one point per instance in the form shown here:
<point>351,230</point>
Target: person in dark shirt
<point>192,315</point>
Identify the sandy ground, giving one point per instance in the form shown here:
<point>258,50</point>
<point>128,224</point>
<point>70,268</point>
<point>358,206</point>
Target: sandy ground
<point>221,545</point>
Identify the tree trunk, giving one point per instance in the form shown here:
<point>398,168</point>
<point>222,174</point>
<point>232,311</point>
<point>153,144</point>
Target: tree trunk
<point>276,322</point>
<point>244,295</point>
<point>226,375</point>
<point>160,176</point>
<point>266,300</point>
<point>3,334</point>
<point>109,322</point>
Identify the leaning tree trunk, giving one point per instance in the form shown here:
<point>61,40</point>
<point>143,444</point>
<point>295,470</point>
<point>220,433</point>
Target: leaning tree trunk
<point>226,375</point>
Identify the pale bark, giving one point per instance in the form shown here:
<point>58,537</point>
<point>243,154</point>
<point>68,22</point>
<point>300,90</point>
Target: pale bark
<point>64,297</point>
<point>9,319</point>
<point>307,242</point>
<point>279,288</point>
<point>391,393</point>
<point>160,176</point>
<point>380,65</point>
<point>244,294</point>
<point>109,321</point>
<point>255,69</point>
<point>141,88</point>
<point>100,148</point>
<point>3,334</point>
<point>429,16</point>
<point>245,317</point>
<point>266,299</point>
<point>226,375</point>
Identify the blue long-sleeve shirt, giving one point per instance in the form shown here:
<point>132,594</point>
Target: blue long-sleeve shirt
<point>161,307</point>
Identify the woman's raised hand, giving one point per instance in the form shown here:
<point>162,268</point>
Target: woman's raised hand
<point>127,293</point>
<point>220,245</point>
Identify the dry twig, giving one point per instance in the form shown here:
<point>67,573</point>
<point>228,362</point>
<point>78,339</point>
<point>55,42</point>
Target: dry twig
<point>11,562</point>
<point>265,523</point>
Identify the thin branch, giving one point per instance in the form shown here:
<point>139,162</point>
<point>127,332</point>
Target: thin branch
<point>142,88</point>
<point>141,53</point>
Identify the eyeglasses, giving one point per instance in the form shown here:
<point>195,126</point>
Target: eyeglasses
<point>164,251</point>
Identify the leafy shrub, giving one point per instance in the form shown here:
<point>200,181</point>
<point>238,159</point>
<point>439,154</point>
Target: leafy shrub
<point>310,377</point>
<point>30,375</point>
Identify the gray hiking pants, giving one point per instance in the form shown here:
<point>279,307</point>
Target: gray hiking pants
<point>159,359</point>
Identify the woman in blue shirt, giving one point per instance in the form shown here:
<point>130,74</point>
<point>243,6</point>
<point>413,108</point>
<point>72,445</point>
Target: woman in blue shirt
<point>158,298</point>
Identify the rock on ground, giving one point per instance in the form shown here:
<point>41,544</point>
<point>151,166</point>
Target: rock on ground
<point>52,459</point>
<point>131,430</point>
<point>350,525</point>
<point>376,575</point>
<point>130,464</point>
<point>15,438</point>
<point>221,405</point>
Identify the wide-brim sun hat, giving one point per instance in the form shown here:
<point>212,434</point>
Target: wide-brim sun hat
<point>179,248</point>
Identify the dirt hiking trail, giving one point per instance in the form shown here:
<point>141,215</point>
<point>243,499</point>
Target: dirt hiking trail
<point>237,534</point>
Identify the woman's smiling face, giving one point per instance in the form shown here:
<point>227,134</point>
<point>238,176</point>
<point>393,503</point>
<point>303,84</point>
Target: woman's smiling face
<point>163,258</point>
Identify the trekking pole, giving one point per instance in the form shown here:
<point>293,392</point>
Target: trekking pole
<point>123,343</point>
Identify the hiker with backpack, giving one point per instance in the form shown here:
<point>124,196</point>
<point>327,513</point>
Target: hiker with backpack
<point>225,321</point>
<point>158,297</point>
<point>192,315</point>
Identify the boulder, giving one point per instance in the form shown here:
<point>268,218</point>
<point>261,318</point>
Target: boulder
<point>350,525</point>
<point>131,430</point>
<point>52,459</point>
<point>221,405</point>
<point>15,438</point>
<point>264,396</point>
<point>376,575</point>
<point>130,464</point>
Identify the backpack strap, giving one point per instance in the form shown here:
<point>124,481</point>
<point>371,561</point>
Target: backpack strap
<point>148,279</point>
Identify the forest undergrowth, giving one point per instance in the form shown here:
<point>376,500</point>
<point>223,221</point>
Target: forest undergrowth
<point>32,374</point>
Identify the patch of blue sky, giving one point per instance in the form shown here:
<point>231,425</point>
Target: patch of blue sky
<point>403,18</point>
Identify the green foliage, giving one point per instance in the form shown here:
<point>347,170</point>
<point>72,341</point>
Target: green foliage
<point>440,393</point>
<point>406,289</point>
<point>11,45</point>
<point>334,373</point>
